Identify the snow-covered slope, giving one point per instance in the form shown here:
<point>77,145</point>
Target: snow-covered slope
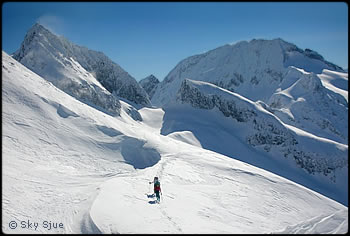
<point>66,162</point>
<point>56,150</point>
<point>208,193</point>
<point>78,70</point>
<point>336,82</point>
<point>253,125</point>
<point>149,84</point>
<point>323,224</point>
<point>304,102</point>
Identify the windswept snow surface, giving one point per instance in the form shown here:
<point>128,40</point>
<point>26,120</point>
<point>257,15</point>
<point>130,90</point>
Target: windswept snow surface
<point>323,224</point>
<point>315,103</point>
<point>336,81</point>
<point>204,192</point>
<point>66,162</point>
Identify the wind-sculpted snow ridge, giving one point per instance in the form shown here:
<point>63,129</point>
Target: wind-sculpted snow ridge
<point>265,131</point>
<point>304,102</point>
<point>335,81</point>
<point>335,223</point>
<point>85,74</point>
<point>149,84</point>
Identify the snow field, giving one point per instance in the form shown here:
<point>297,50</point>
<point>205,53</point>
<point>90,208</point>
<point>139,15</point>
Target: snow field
<point>204,192</point>
<point>330,224</point>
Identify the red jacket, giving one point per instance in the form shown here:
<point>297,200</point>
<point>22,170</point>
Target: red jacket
<point>157,186</point>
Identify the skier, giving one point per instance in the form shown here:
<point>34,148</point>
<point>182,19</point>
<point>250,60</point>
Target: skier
<point>157,190</point>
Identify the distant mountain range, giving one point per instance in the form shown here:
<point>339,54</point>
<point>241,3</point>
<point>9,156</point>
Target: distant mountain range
<point>254,69</point>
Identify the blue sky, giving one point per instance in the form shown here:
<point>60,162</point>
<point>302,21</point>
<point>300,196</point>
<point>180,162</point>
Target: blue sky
<point>152,37</point>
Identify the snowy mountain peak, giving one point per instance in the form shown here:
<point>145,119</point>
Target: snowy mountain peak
<point>150,78</point>
<point>52,56</point>
<point>37,27</point>
<point>149,84</point>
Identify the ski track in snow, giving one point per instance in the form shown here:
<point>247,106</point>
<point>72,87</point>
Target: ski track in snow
<point>160,175</point>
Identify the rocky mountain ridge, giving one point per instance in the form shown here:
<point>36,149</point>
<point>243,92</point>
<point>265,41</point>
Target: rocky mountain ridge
<point>77,70</point>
